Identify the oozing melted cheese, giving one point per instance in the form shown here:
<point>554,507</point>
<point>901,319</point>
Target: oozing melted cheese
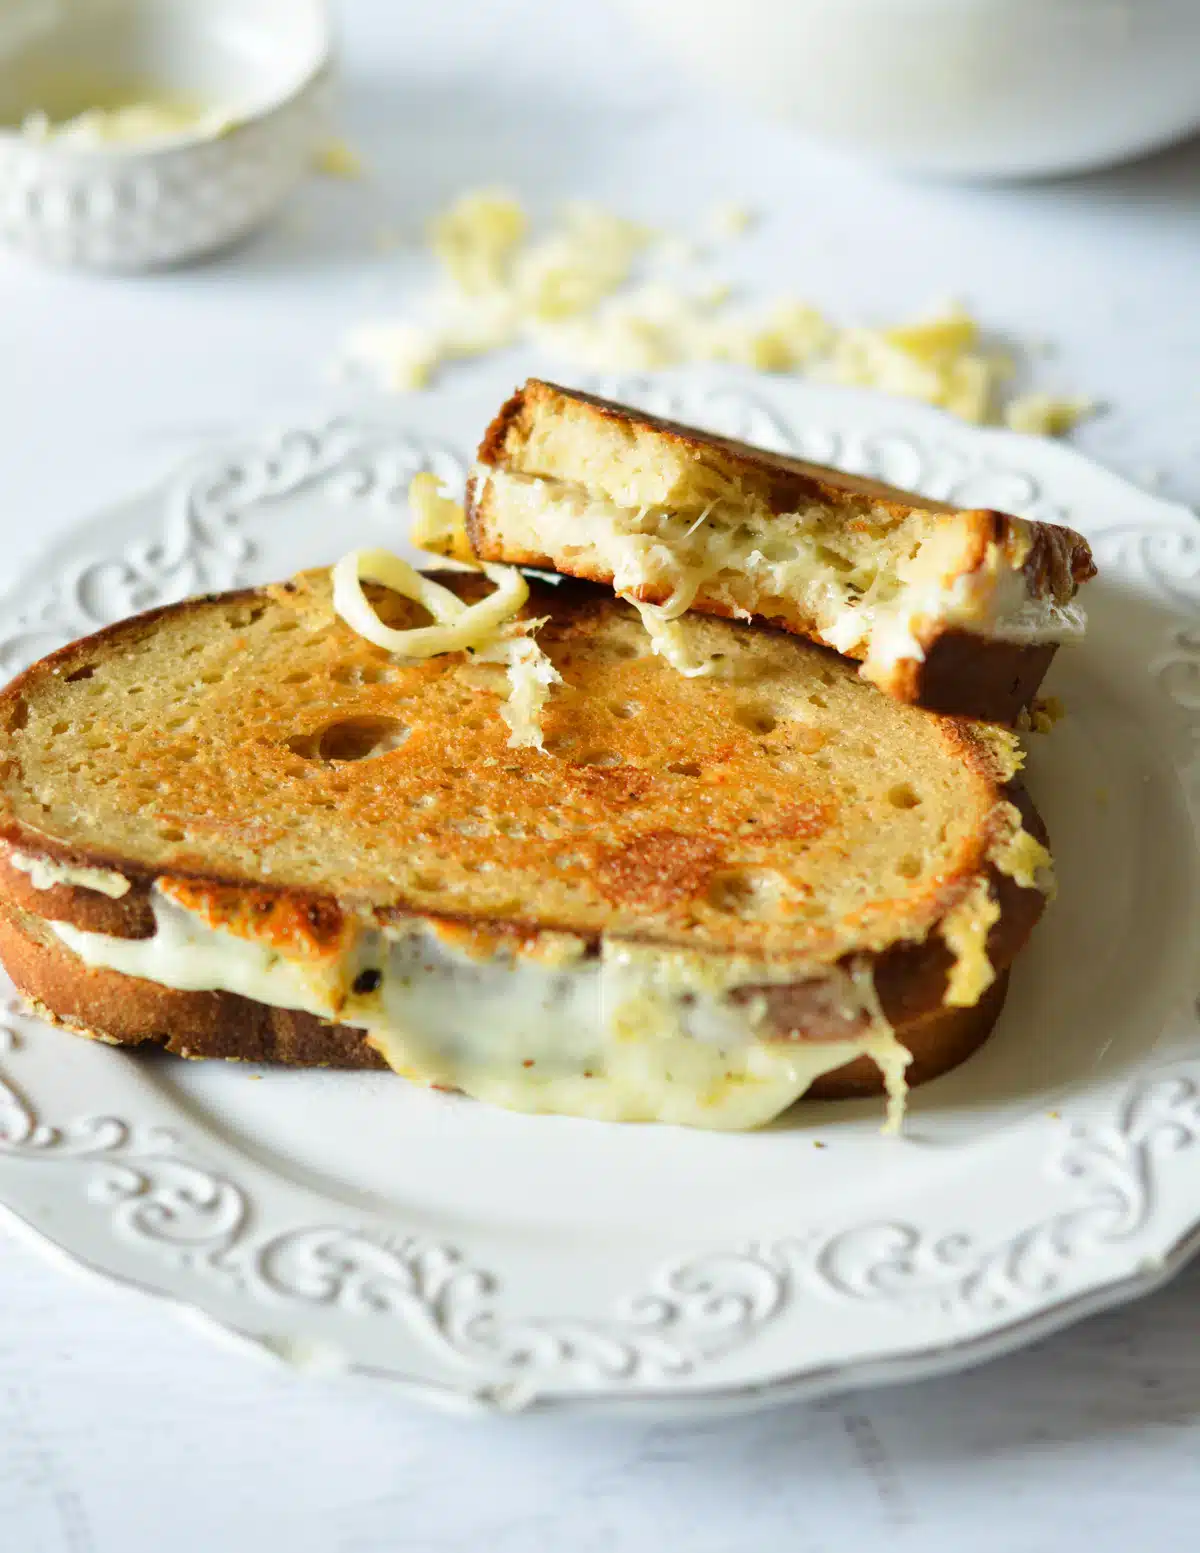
<point>44,874</point>
<point>669,640</point>
<point>625,1036</point>
<point>1022,856</point>
<point>1027,863</point>
<point>965,930</point>
<point>748,561</point>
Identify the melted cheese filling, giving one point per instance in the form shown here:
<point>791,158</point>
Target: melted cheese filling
<point>622,1037</point>
<point>44,874</point>
<point>875,605</point>
<point>965,931</point>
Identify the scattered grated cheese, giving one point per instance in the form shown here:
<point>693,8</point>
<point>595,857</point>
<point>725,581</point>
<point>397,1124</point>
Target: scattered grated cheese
<point>600,293</point>
<point>337,158</point>
<point>936,359</point>
<point>474,237</point>
<point>790,338</point>
<point>575,268</point>
<point>649,327</point>
<point>1042,415</point>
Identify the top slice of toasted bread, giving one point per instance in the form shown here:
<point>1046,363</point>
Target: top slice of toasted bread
<point>781,818</point>
<point>959,611</point>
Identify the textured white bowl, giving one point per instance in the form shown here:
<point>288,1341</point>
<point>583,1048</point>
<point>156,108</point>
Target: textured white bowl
<point>142,206</point>
<point>962,88</point>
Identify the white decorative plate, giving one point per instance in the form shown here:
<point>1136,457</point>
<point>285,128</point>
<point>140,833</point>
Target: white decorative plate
<point>499,1260</point>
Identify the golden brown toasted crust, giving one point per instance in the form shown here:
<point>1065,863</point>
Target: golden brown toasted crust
<point>651,870</point>
<point>779,481</point>
<point>910,977</point>
<point>125,1011</point>
<point>963,673</point>
<point>997,680</point>
<point>661,811</point>
<point>703,730</point>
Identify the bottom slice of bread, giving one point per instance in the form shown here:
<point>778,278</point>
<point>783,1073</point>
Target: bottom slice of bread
<point>128,1011</point>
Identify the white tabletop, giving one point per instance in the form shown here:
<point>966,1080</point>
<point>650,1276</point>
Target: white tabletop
<point>122,1430</point>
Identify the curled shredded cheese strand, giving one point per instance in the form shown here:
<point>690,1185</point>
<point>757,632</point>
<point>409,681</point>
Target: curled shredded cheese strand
<point>458,627</point>
<point>487,627</point>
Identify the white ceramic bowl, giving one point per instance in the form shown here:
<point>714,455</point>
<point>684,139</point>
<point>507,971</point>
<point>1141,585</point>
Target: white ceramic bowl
<point>964,88</point>
<point>140,206</point>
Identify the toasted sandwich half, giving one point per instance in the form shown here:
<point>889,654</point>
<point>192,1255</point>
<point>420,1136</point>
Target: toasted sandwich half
<point>234,828</point>
<point>958,611</point>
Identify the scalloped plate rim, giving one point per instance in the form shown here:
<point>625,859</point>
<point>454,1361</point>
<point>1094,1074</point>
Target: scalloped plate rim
<point>793,1384</point>
<point>800,1386</point>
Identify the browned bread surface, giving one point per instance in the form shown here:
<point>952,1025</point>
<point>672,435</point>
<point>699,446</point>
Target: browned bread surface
<point>258,753</point>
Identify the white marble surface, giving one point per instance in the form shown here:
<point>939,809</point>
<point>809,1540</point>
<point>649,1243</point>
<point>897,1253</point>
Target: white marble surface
<point>121,1430</point>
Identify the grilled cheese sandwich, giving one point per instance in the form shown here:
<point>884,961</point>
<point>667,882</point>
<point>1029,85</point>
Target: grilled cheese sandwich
<point>700,900</point>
